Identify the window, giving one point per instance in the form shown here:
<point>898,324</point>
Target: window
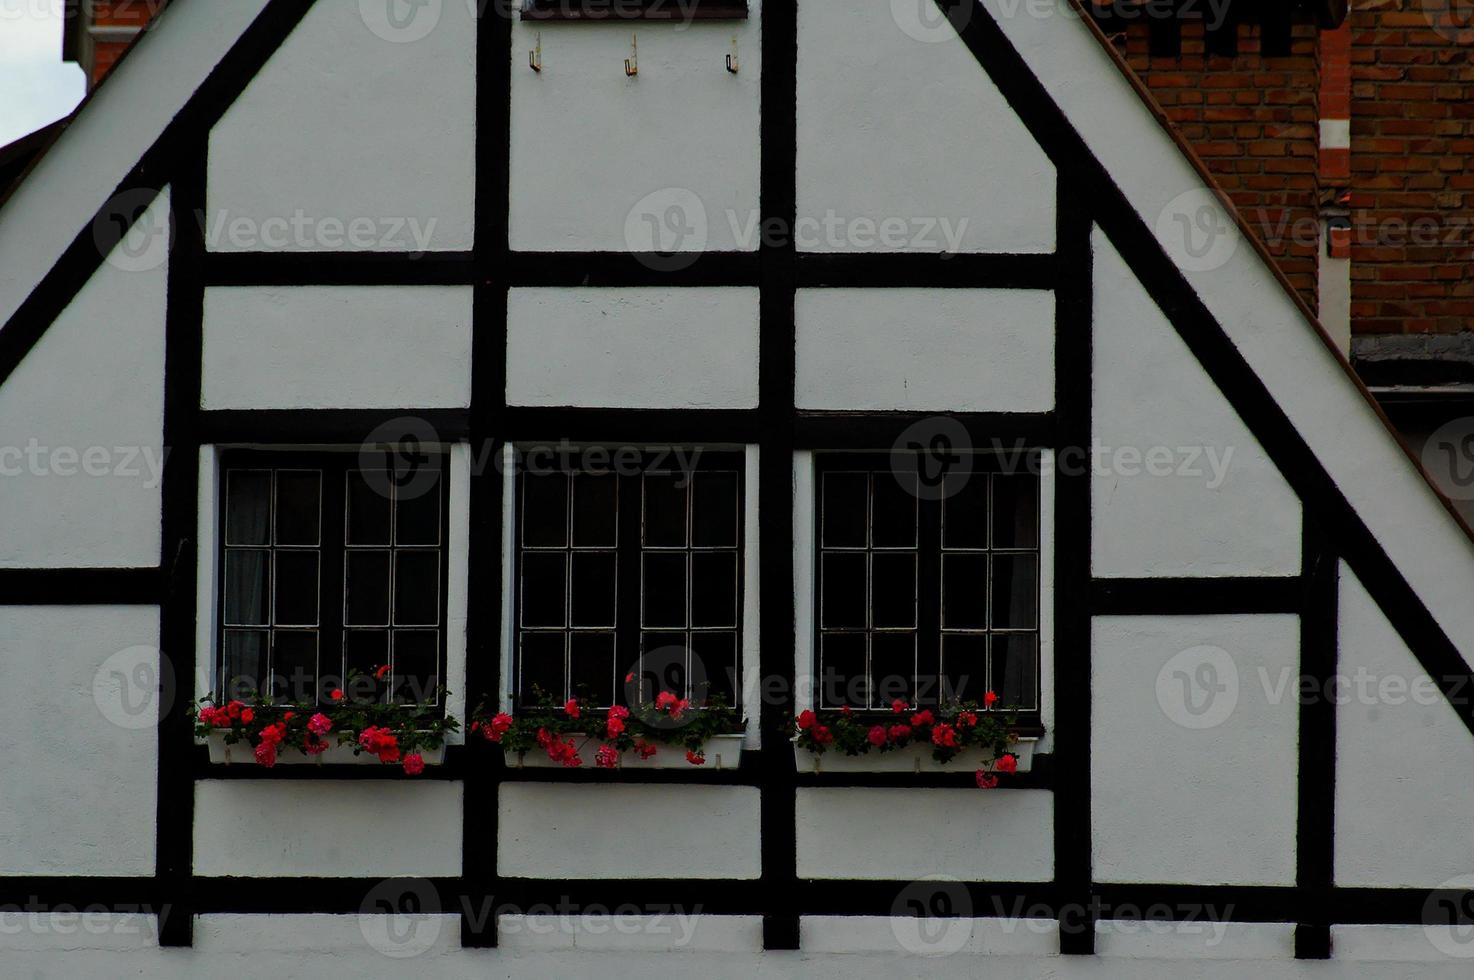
<point>329,568</point>
<point>629,578</point>
<point>922,595</point>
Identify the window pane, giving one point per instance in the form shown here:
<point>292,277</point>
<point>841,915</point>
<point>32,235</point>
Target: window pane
<point>367,575</point>
<point>844,510</point>
<point>368,507</point>
<point>417,511</point>
<point>665,510</point>
<point>714,666</point>
<point>965,513</point>
<point>248,507</point>
<point>844,591</point>
<point>296,588</point>
<point>892,668</point>
<point>664,589</point>
<point>1015,512</point>
<point>893,590</point>
<point>246,587</point>
<point>545,510</point>
<point>893,510</point>
<point>595,510</point>
<point>842,670</point>
<point>591,667</point>
<point>365,652</point>
<point>965,591</point>
<point>294,666</point>
<point>1015,592</point>
<point>544,582</point>
<point>416,588</point>
<point>298,506</point>
<point>416,670</point>
<point>964,667</point>
<point>244,674</point>
<point>1015,670</point>
<point>714,510</point>
<point>714,588</point>
<point>663,664</point>
<point>542,668</point>
<point>593,588</point>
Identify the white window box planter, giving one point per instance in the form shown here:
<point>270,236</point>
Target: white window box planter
<point>243,753</point>
<point>721,751</point>
<point>916,757</point>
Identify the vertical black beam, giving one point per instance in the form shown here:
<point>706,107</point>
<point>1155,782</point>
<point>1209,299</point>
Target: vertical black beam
<point>179,556</point>
<point>1316,809</point>
<point>488,403</point>
<point>778,271</point>
<point>1074,312</point>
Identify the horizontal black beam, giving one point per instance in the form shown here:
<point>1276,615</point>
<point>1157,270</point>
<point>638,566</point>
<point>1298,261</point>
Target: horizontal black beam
<point>338,268</point>
<point>992,431</point>
<point>330,426</point>
<point>1194,596</point>
<point>80,586</point>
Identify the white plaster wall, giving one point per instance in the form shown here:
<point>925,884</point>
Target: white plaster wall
<point>1201,795</point>
<point>546,830</point>
<point>1003,835</point>
<point>81,461</point>
<point>964,350</point>
<point>329,828</point>
<point>1181,486</point>
<point>80,774</point>
<point>1208,937</point>
<point>899,124</point>
<point>346,124</point>
<point>633,348</point>
<point>892,937</point>
<point>595,155</point>
<point>1403,805</point>
<point>337,347</point>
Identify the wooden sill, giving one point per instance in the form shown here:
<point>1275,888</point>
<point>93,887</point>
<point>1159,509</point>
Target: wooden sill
<point>618,11</point>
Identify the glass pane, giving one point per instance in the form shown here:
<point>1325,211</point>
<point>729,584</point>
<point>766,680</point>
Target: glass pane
<point>298,506</point>
<point>416,666</point>
<point>365,652</point>
<point>714,588</point>
<point>367,575</point>
<point>248,507</point>
<point>842,601</point>
<point>893,510</point>
<point>417,511</point>
<point>541,669</point>
<point>964,667</point>
<point>544,585</point>
<point>842,678</point>
<point>595,510</point>
<point>714,510</point>
<point>892,668</point>
<point>893,590</point>
<point>592,603</point>
<point>545,510</point>
<point>246,587</point>
<point>1016,670</point>
<point>1015,512</point>
<point>591,667</point>
<point>296,588</point>
<point>1015,592</point>
<point>416,588</point>
<point>714,667</point>
<point>245,664</point>
<point>663,664</point>
<point>965,514</point>
<point>844,510</point>
<point>965,591</point>
<point>663,589</point>
<point>294,666</point>
<point>368,507</point>
<point>665,510</point>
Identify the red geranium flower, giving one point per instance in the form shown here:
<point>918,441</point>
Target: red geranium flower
<point>967,719</point>
<point>899,707</point>
<point>313,745</point>
<point>247,716</point>
<point>571,707</point>
<point>234,709</point>
<point>922,718</point>
<point>494,731</point>
<point>1006,763</point>
<point>381,672</point>
<point>695,758</point>
<point>899,733</point>
<point>877,735</point>
<point>805,720</point>
<point>607,757</point>
<point>990,699</point>
<point>336,694</point>
<point>266,754</point>
<point>945,736</point>
<point>822,734</point>
<point>646,749</point>
<point>319,724</point>
<point>414,763</point>
<point>985,781</point>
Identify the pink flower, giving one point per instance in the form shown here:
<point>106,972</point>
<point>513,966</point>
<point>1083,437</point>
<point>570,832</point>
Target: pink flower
<point>1006,763</point>
<point>319,724</point>
<point>414,763</point>
<point>805,720</point>
<point>985,781</point>
<point>266,754</point>
<point>607,757</point>
<point>695,758</point>
<point>990,699</point>
<point>571,707</point>
<point>877,735</point>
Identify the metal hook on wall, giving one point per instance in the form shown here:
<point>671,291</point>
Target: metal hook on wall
<point>632,63</point>
<point>732,64</point>
<point>535,57</point>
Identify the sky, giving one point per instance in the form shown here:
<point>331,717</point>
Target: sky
<point>36,87</point>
